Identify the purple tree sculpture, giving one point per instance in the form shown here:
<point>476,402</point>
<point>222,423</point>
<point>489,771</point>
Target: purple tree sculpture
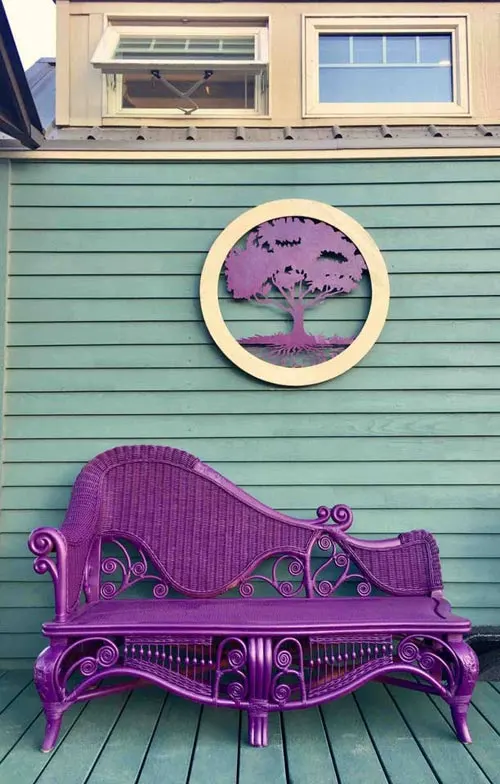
<point>294,264</point>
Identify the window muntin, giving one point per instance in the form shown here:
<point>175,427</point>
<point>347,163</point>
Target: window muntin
<point>185,48</point>
<point>385,66</point>
<point>370,67</point>
<point>124,48</point>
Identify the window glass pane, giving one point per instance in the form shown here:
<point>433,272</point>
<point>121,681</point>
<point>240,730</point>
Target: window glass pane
<point>367,48</point>
<point>184,48</point>
<point>333,49</point>
<point>222,91</point>
<point>435,48</point>
<point>380,85</point>
<point>402,68</point>
<point>402,49</point>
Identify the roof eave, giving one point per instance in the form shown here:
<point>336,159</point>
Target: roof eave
<point>19,118</point>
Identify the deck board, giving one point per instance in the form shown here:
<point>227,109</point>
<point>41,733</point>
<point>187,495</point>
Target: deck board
<point>124,753</point>
<point>17,717</point>
<point>487,701</point>
<point>25,762</point>
<point>85,741</point>
<point>381,735</point>
<point>173,743</point>
<point>307,749</point>
<point>11,685</point>
<point>257,767</point>
<point>355,757</point>
<point>484,748</point>
<point>448,758</point>
<point>392,738</point>
<point>217,749</point>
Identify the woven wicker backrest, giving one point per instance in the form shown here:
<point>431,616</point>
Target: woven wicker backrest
<point>203,532</point>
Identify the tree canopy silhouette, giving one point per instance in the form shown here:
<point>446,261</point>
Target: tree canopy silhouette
<point>293,264</point>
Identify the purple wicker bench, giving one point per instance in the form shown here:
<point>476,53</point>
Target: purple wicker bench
<point>157,521</point>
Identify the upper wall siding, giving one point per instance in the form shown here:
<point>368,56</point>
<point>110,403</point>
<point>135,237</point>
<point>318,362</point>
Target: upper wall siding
<point>81,97</point>
<point>106,346</point>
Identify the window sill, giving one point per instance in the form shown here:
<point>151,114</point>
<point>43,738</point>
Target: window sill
<point>367,112</point>
<point>184,119</point>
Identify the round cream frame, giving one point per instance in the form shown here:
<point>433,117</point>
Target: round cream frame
<point>275,374</point>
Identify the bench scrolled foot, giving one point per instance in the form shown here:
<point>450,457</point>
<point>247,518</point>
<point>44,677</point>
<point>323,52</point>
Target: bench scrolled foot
<point>53,715</point>
<point>47,685</point>
<point>258,718</point>
<point>459,716</point>
<point>468,675</point>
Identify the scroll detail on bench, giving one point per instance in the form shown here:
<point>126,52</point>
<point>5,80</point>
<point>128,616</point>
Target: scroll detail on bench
<point>208,556</point>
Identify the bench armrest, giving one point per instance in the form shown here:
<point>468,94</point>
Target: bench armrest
<point>42,542</point>
<point>68,567</point>
<point>407,565</point>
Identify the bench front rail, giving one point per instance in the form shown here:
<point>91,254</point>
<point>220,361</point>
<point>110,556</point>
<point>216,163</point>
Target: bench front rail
<point>239,606</point>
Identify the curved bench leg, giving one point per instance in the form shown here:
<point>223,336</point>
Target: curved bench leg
<point>53,714</point>
<point>258,717</point>
<point>45,684</point>
<point>469,666</point>
<point>459,716</point>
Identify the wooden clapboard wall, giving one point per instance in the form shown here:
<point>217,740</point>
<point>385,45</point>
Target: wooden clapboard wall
<point>106,346</point>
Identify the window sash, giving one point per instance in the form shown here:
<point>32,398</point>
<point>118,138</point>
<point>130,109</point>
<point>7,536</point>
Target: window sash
<point>233,41</point>
<point>116,109</point>
<point>454,26</point>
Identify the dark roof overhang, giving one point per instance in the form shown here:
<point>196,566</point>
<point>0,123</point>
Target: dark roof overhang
<point>18,115</point>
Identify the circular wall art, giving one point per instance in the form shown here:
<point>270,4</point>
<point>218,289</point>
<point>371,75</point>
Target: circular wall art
<point>307,283</point>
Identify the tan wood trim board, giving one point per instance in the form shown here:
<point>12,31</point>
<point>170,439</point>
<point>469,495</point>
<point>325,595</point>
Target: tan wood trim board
<point>263,155</point>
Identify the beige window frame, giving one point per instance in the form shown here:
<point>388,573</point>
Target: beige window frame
<point>114,69</point>
<point>456,26</point>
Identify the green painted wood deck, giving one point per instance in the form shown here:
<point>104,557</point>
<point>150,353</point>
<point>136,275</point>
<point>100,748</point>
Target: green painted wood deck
<point>379,735</point>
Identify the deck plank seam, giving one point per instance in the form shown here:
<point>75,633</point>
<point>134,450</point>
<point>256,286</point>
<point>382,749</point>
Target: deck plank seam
<point>435,701</point>
<point>195,743</point>
<point>20,737</point>
<point>18,694</point>
<point>413,735</point>
<point>476,707</point>
<point>285,748</point>
<point>64,734</point>
<point>372,740</point>
<point>486,718</point>
<point>469,747</point>
<point>328,742</point>
<point>238,754</point>
<point>150,741</point>
<point>106,739</point>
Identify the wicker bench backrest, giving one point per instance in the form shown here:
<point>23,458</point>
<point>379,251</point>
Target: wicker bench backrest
<point>203,533</point>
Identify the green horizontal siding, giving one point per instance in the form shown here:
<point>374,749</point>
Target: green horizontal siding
<point>125,263</point>
<point>183,333</point>
<point>142,309</point>
<point>252,425</point>
<point>134,217</point>
<point>106,345</point>
<point>246,402</point>
<point>174,239</point>
<point>178,286</point>
<point>260,173</point>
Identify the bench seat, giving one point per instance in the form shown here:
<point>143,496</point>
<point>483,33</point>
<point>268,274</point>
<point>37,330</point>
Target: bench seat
<point>261,616</point>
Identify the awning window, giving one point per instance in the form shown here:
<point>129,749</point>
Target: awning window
<point>123,49</point>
